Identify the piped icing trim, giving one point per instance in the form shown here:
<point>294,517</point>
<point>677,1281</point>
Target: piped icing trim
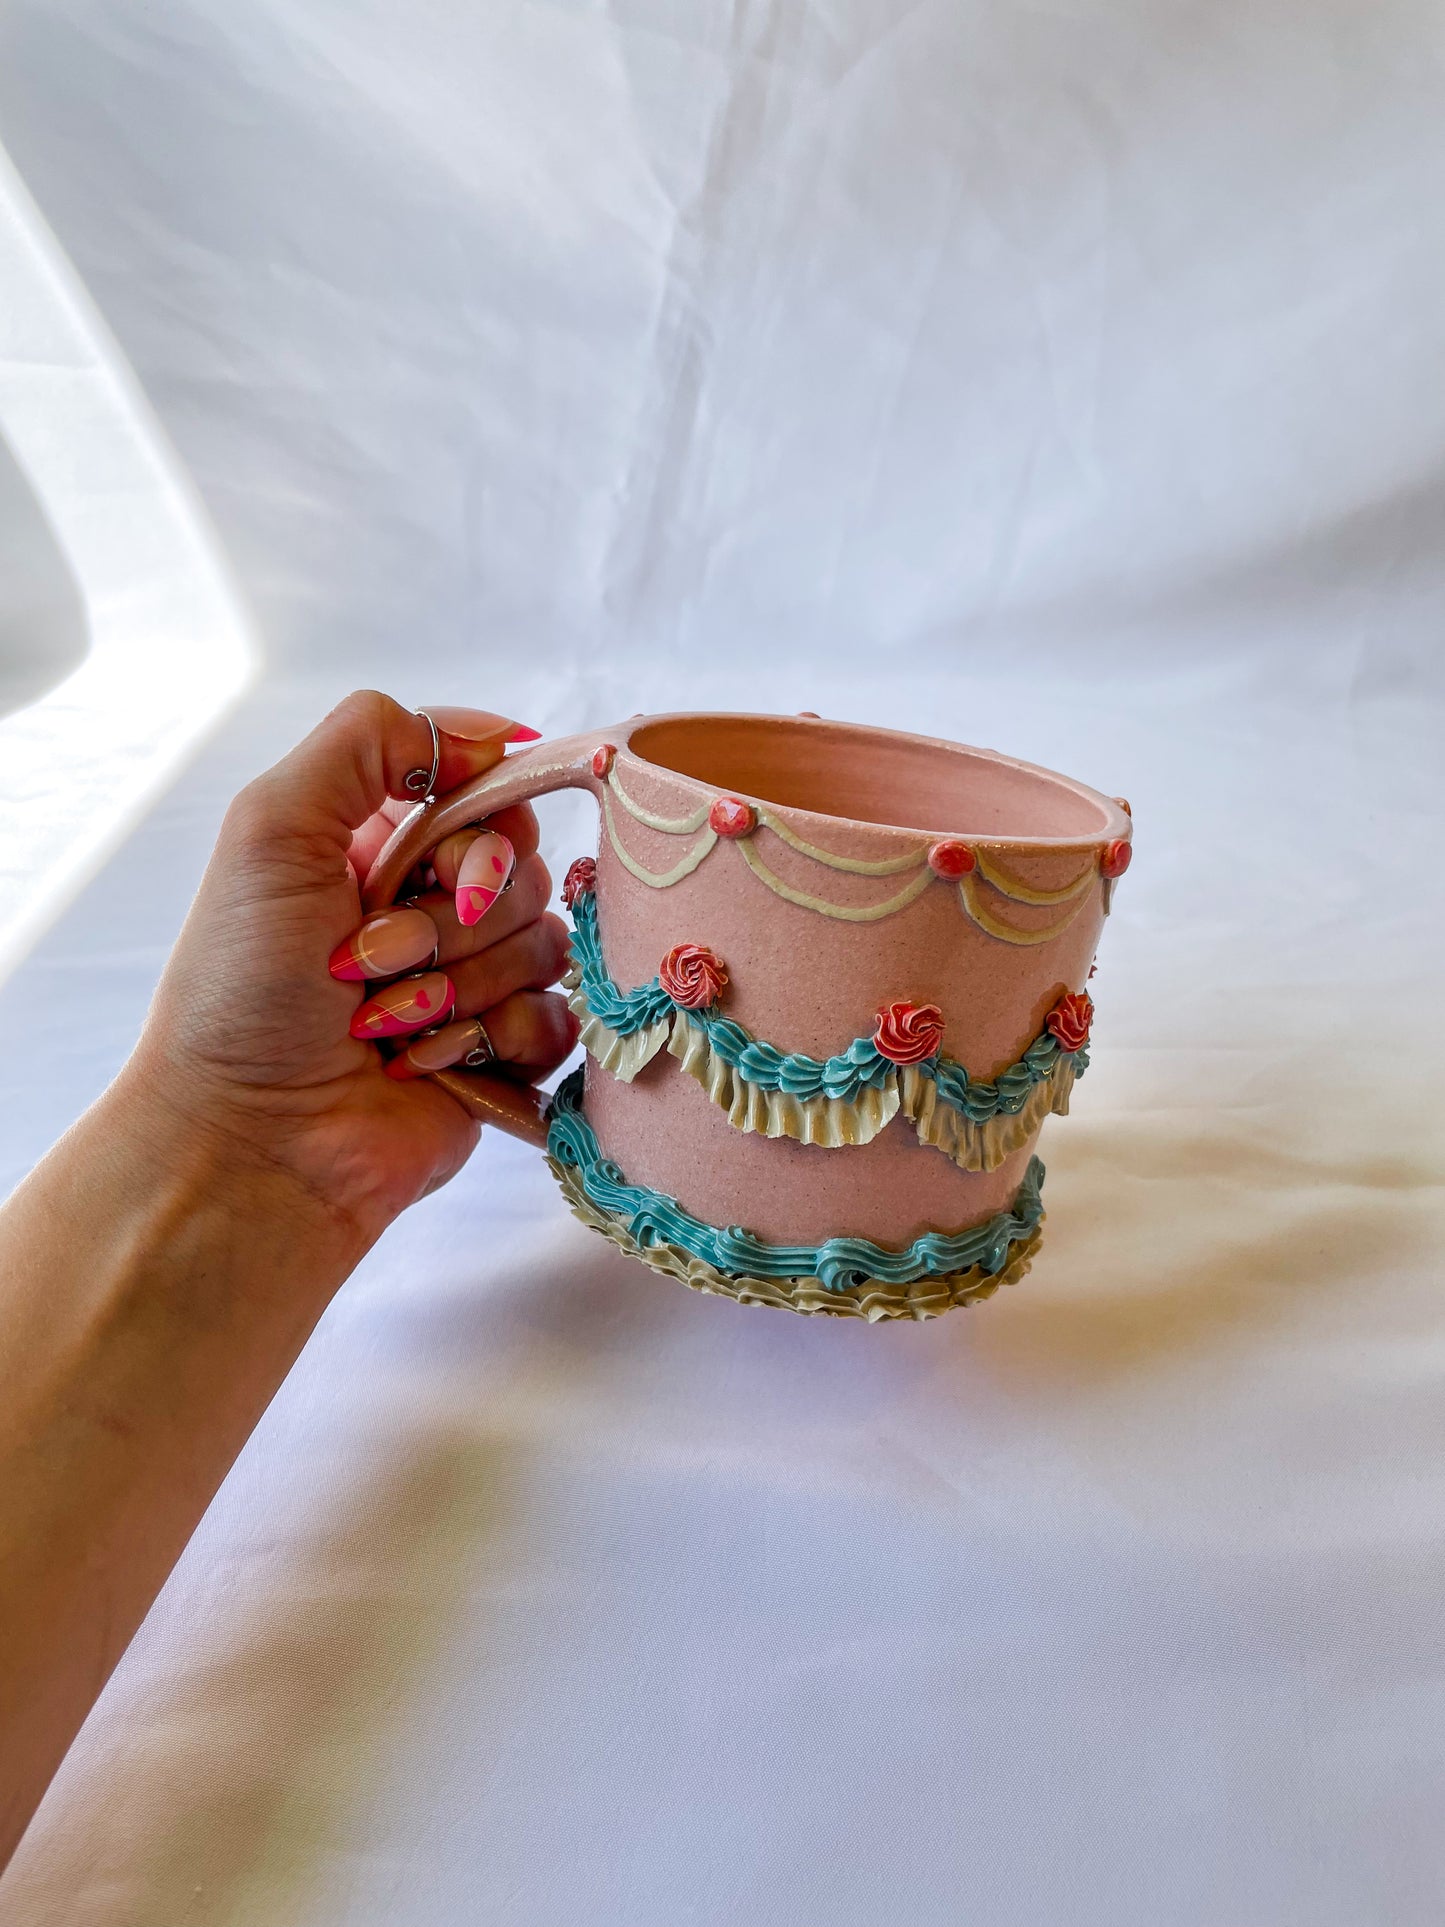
<point>817,1119</point>
<point>845,1099</point>
<point>971,897</point>
<point>668,825</point>
<point>888,866</point>
<point>924,1298</point>
<point>622,1011</point>
<point>983,1146</point>
<point>623,1055</point>
<point>1018,891</point>
<point>840,912</point>
<point>975,871</point>
<point>958,1263</point>
<point>655,879</point>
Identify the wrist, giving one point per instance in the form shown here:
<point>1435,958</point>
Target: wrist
<point>160,1278</point>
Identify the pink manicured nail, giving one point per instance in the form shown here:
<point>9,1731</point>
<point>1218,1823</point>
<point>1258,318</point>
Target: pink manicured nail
<point>384,946</point>
<point>474,725</point>
<point>524,734</point>
<point>449,1046</point>
<point>482,875</point>
<point>404,1006</point>
<point>446,858</point>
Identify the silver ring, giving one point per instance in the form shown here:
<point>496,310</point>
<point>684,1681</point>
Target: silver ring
<point>483,1051</point>
<point>420,782</point>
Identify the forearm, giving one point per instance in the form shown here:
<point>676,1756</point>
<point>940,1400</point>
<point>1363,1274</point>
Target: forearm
<point>156,1285</point>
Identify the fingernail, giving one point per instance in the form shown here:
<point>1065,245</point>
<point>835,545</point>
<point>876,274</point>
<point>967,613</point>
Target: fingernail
<point>485,866</point>
<point>523,734</point>
<point>446,858</point>
<point>385,945</point>
<point>449,1046</point>
<point>473,725</point>
<point>404,1006</point>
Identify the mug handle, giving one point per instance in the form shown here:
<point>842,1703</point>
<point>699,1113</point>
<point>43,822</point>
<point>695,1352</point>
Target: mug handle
<point>565,764</point>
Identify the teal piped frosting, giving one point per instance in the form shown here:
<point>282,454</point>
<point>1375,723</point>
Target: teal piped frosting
<point>624,1011</point>
<point>840,1263</point>
<point>861,1066</point>
<point>981,1098</point>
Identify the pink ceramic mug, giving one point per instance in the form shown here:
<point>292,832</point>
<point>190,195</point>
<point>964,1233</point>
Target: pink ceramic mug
<point>831,981</point>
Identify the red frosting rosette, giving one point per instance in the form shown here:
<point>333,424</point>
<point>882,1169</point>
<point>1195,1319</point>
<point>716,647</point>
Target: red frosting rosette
<point>1070,1018</point>
<point>909,1033</point>
<point>580,880</point>
<point>692,976</point>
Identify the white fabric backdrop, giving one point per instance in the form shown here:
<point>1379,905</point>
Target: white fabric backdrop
<point>1065,379</point>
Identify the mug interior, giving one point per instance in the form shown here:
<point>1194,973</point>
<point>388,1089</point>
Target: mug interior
<point>873,776</point>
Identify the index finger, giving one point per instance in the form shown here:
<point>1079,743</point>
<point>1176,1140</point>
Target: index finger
<point>367,749</point>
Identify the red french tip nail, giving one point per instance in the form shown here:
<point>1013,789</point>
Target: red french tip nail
<point>473,905</point>
<point>398,1069</point>
<point>399,1009</point>
<point>343,964</point>
<point>522,734</point>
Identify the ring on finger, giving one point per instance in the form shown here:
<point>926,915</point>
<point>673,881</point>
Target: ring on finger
<point>483,1051</point>
<point>422,783</point>
<point>480,1051</point>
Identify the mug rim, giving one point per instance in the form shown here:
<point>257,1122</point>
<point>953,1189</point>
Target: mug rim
<point>1117,823</point>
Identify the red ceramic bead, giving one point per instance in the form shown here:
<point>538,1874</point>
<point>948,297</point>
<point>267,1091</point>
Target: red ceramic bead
<point>730,816</point>
<point>951,860</point>
<point>1116,858</point>
<point>602,758</point>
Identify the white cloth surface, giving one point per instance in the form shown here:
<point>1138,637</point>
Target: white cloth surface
<point>1064,379</point>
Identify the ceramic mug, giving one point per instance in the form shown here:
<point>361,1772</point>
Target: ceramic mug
<point>831,981</point>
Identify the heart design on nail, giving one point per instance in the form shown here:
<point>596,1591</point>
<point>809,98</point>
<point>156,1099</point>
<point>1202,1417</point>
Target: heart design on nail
<point>404,1007</point>
<point>482,875</point>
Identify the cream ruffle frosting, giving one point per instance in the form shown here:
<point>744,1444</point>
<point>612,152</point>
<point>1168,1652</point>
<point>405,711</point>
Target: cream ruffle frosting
<point>830,1121</point>
<point>983,1147</point>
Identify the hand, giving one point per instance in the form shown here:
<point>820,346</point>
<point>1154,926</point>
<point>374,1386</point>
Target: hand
<point>256,1033</point>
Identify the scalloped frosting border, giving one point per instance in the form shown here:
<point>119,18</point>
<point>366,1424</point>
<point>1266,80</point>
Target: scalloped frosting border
<point>848,1275</point>
<point>927,1298</point>
<point>967,866</point>
<point>842,1100</point>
